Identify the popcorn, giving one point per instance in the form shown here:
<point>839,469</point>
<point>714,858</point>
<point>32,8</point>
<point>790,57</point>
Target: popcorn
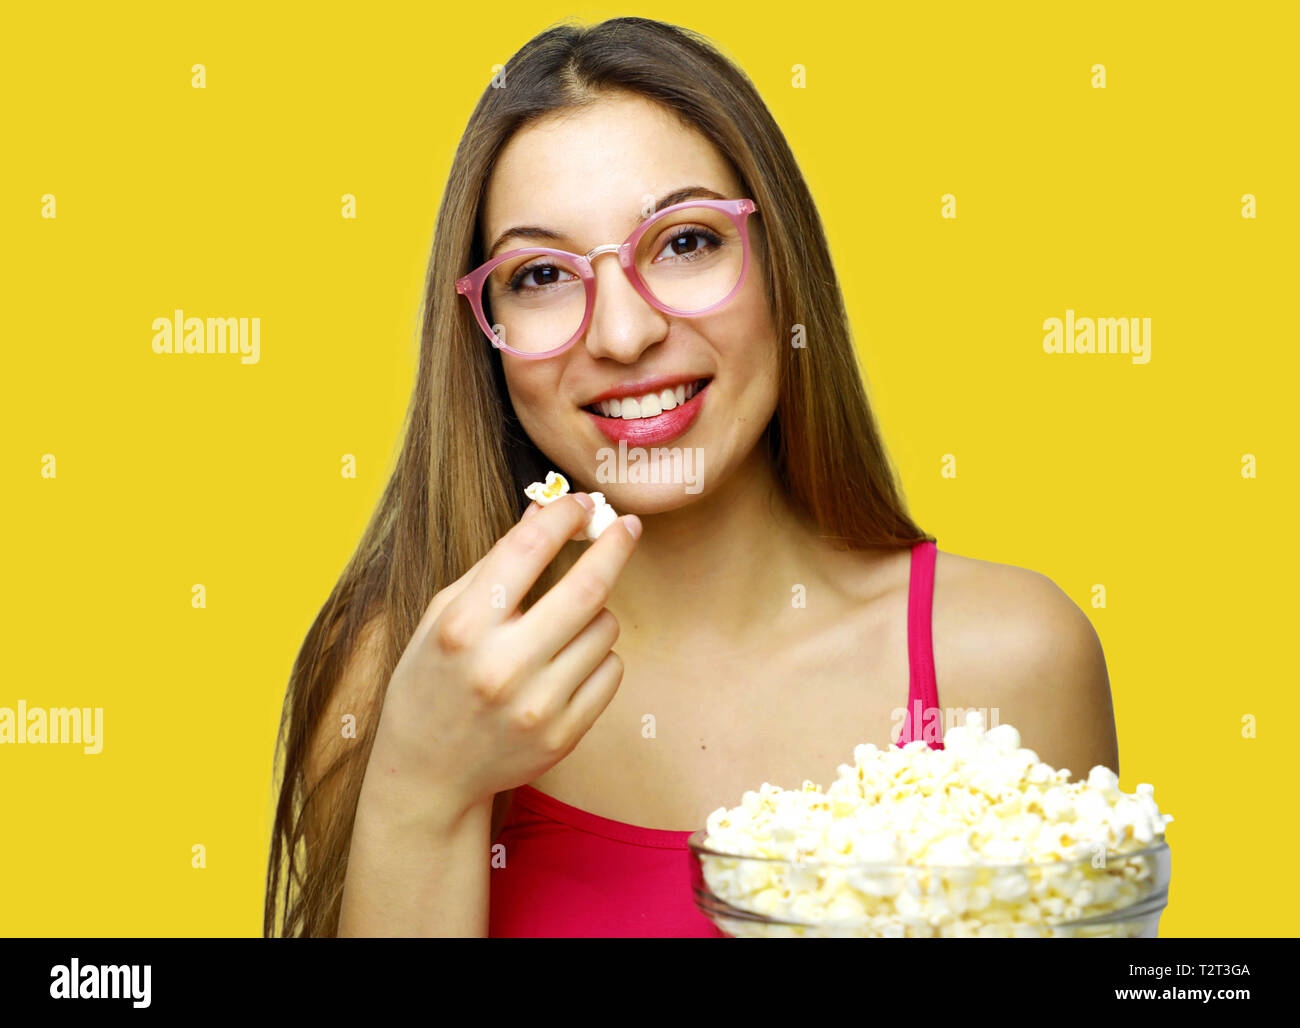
<point>978,839</point>
<point>555,486</point>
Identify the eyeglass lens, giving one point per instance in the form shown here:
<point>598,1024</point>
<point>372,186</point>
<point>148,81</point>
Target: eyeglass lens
<point>689,260</point>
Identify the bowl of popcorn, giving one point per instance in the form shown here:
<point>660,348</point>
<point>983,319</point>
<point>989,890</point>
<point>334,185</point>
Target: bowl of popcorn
<point>979,839</point>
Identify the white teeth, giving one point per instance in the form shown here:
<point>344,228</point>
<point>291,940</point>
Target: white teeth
<point>649,405</point>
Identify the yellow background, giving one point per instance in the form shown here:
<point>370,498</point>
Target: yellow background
<point>172,470</point>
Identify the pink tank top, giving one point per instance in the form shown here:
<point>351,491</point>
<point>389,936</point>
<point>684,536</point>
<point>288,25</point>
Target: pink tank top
<point>569,873</point>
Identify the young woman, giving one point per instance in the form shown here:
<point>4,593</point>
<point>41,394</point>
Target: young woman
<point>625,222</point>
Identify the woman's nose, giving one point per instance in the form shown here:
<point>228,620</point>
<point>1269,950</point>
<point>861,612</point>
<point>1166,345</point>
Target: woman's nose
<point>622,322</point>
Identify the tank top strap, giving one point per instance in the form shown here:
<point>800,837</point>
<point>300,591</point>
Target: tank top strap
<point>923,720</point>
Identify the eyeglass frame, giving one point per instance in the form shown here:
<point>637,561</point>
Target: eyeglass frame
<point>471,286</point>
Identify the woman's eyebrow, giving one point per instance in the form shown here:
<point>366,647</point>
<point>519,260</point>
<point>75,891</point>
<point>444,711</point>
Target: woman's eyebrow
<point>538,232</point>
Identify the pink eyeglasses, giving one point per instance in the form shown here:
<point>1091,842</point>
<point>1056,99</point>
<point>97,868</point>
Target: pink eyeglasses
<point>686,260</point>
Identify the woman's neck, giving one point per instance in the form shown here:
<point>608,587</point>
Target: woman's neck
<point>721,570</point>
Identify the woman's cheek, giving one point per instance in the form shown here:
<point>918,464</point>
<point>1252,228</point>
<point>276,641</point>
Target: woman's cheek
<point>533,402</point>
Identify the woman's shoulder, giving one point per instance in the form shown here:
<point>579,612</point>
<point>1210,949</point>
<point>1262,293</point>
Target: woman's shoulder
<point>1013,592</point>
<point>1009,640</point>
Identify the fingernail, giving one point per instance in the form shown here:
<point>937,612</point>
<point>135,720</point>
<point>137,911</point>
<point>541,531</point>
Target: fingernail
<point>586,501</point>
<point>529,511</point>
<point>633,525</point>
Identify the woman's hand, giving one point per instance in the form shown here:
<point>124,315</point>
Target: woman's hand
<point>485,699</point>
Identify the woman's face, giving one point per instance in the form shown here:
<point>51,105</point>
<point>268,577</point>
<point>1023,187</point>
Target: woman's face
<point>590,177</point>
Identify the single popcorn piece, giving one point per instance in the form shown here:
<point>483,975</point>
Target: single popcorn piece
<point>601,518</point>
<point>980,838</point>
<point>555,486</point>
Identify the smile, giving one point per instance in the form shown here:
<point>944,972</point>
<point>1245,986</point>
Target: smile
<point>651,418</point>
<point>631,408</point>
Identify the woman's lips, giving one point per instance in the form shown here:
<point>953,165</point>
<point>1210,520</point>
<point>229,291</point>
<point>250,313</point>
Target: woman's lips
<point>648,431</point>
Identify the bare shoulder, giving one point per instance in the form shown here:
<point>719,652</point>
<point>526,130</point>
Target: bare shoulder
<point>1010,641</point>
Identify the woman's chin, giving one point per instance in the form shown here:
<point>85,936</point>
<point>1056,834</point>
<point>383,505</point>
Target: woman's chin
<point>645,498</point>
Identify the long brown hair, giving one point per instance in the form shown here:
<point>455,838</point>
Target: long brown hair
<point>458,482</point>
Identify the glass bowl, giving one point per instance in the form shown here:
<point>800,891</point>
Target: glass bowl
<point>1116,894</point>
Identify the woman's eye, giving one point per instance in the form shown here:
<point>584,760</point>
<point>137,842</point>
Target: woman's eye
<point>538,276</point>
<point>688,243</point>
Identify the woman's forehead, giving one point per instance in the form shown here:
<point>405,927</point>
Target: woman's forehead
<point>594,168</point>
